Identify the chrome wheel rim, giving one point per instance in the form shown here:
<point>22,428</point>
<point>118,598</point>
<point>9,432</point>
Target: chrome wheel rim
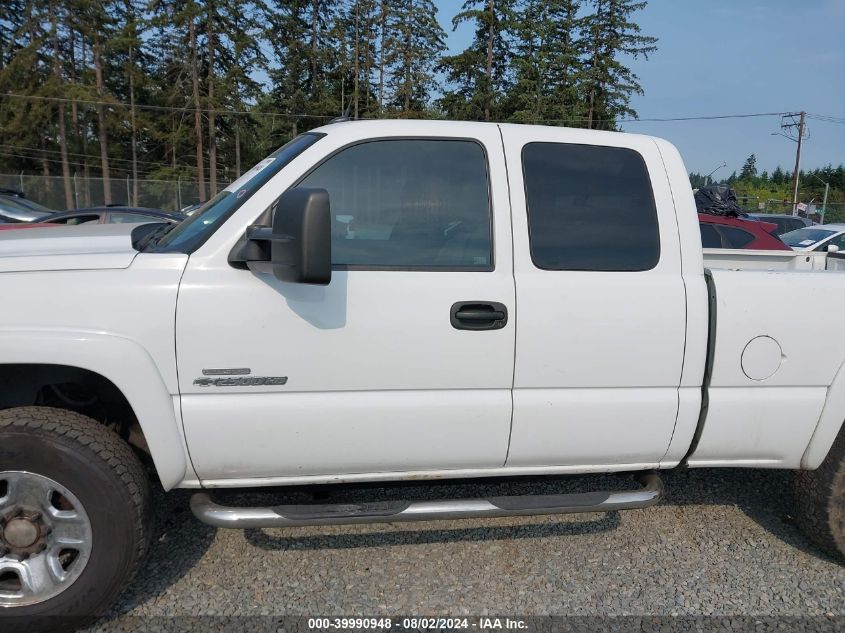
<point>45,538</point>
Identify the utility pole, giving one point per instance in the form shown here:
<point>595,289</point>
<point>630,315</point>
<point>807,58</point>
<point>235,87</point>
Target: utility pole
<point>824,202</point>
<point>789,122</point>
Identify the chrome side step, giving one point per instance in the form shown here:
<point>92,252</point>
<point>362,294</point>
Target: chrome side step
<point>443,509</point>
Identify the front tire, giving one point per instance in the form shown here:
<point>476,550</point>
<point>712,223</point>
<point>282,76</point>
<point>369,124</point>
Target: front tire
<point>820,498</point>
<point>74,517</point>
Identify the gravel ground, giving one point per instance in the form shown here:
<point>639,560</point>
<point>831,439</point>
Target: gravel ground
<point>721,543</point>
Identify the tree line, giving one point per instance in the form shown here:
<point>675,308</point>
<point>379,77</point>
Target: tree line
<point>777,185</point>
<point>202,89</point>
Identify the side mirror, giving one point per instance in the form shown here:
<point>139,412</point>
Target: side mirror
<point>832,248</point>
<point>299,243</point>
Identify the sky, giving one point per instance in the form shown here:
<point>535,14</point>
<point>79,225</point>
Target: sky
<point>720,57</point>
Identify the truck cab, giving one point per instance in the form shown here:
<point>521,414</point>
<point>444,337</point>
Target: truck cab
<point>429,222</point>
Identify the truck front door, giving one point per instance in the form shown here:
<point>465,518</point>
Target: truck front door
<point>380,371</point>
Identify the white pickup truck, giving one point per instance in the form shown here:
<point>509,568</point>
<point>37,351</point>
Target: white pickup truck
<point>396,300</point>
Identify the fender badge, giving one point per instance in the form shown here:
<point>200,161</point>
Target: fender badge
<point>235,371</point>
<point>237,377</point>
<point>241,381</point>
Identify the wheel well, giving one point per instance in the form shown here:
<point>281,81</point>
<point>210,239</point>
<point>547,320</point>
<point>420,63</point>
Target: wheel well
<point>72,388</point>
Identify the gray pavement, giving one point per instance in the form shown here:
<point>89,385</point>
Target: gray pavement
<point>721,543</point>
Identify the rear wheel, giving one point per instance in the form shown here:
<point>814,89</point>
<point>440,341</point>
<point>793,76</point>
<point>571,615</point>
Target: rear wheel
<point>74,517</point>
<point>820,497</point>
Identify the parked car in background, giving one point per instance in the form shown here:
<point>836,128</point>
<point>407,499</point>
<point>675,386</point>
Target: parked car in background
<point>15,208</point>
<point>721,231</point>
<point>191,208</point>
<point>23,225</point>
<point>816,238</point>
<point>785,222</point>
<point>111,215</point>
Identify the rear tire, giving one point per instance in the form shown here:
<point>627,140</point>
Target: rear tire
<point>102,487</point>
<point>820,498</point>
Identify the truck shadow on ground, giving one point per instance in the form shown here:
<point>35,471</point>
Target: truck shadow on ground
<point>180,541</point>
<point>419,535</point>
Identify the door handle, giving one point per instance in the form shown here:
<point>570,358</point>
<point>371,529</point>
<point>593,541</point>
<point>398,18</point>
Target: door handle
<point>478,315</point>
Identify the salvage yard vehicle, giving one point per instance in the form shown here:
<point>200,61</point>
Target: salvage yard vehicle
<point>721,231</point>
<point>817,238</point>
<point>397,300</point>
<point>112,214</point>
<point>785,222</point>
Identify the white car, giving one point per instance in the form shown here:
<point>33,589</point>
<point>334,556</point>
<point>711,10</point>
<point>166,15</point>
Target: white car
<point>385,301</point>
<point>816,238</point>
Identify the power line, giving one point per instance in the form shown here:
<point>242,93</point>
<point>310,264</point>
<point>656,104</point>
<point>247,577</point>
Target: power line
<point>827,119</point>
<point>38,154</point>
<point>221,112</point>
<point>162,108</point>
<point>705,118</point>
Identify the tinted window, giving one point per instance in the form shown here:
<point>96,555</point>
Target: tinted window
<point>131,218</point>
<point>736,238</point>
<point>589,208</point>
<point>408,203</point>
<point>709,237</point>
<point>77,219</point>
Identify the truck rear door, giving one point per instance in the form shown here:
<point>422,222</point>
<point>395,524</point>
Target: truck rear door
<point>600,298</point>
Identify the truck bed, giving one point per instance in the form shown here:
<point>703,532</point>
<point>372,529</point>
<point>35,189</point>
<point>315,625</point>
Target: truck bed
<point>747,259</point>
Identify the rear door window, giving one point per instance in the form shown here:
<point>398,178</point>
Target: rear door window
<point>735,238</point>
<point>590,207</point>
<point>710,238</point>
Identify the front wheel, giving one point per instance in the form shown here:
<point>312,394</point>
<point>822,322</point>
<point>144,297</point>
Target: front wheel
<point>74,517</point>
<point>820,497</point>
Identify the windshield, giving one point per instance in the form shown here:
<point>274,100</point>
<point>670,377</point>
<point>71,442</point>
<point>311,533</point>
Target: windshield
<point>32,206</point>
<point>801,238</point>
<point>190,234</point>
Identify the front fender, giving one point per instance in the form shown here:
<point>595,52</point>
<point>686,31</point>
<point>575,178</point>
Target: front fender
<point>829,423</point>
<point>126,364</point>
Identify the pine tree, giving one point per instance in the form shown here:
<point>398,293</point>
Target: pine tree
<point>307,82</point>
<point>178,40</point>
<point>361,35</point>
<point>546,62</point>
<point>611,35</point>
<point>749,168</point>
<point>240,88</point>
<point>29,68</point>
<point>478,75</point>
<point>416,41</point>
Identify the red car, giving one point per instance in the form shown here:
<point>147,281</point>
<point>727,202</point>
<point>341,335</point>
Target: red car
<point>720,231</point>
<point>23,225</point>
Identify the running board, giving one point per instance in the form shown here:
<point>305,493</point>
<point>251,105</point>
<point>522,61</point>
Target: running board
<point>444,509</point>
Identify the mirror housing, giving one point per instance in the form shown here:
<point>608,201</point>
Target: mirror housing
<point>299,243</point>
<point>832,248</point>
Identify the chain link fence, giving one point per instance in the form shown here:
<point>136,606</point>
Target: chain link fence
<point>835,211</point>
<point>175,195</point>
<point>167,195</point>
